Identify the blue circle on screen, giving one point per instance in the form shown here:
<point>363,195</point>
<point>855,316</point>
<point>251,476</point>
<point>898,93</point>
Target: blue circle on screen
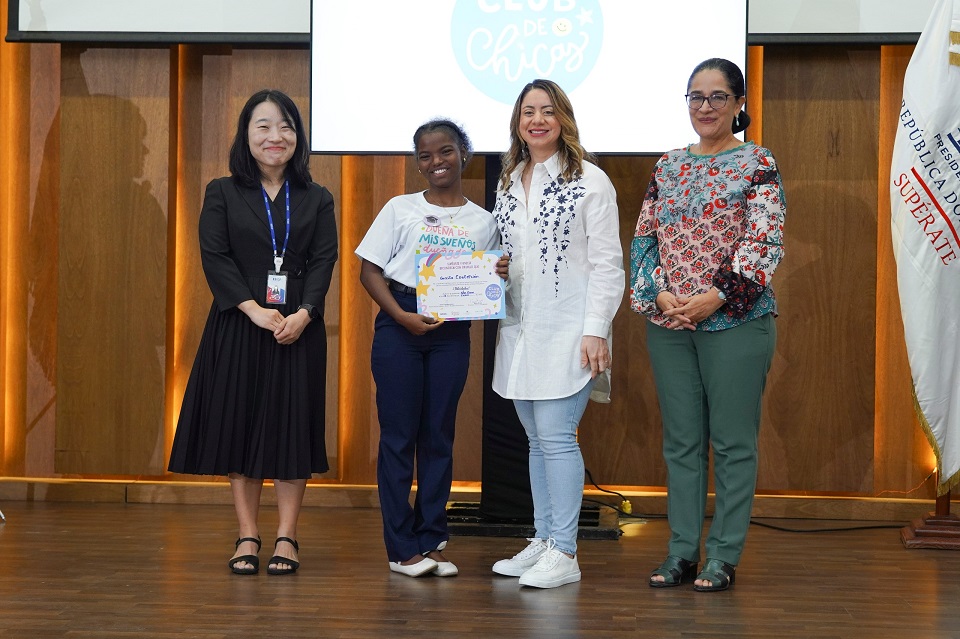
<point>493,292</point>
<point>501,45</point>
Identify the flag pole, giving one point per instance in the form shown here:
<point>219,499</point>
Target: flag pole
<point>927,250</point>
<point>943,505</point>
<point>939,529</point>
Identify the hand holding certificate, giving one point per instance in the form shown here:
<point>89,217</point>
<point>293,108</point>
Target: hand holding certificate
<point>459,286</point>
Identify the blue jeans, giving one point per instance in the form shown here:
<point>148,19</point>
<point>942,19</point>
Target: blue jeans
<point>556,465</point>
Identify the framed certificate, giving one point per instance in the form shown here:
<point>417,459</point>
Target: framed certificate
<point>459,286</point>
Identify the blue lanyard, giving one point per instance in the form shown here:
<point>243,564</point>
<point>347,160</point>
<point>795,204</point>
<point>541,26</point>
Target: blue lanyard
<point>277,257</point>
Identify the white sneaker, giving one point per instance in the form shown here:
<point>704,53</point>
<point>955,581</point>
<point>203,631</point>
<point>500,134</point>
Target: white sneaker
<point>553,569</point>
<point>523,560</point>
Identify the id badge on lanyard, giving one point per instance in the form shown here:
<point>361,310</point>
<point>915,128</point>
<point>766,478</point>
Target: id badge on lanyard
<point>277,279</point>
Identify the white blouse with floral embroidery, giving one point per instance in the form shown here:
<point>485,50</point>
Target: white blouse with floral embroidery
<point>566,280</point>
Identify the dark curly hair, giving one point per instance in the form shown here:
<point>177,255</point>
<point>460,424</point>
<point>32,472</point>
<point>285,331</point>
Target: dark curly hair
<point>452,129</point>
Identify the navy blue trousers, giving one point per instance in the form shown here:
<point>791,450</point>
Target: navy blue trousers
<point>419,381</point>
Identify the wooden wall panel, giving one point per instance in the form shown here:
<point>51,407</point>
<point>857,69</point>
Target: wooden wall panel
<point>754,105</point>
<point>820,121</point>
<point>835,416</point>
<point>902,455</point>
<point>14,268</point>
<point>111,299</point>
<point>622,441</point>
<point>190,298</point>
<point>326,170</point>
<point>44,215</point>
<point>368,183</point>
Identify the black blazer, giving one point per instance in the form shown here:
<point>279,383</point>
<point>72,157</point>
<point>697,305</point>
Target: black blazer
<point>236,251</point>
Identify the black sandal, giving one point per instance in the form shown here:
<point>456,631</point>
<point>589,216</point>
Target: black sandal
<point>674,570</point>
<point>277,559</point>
<point>253,560</point>
<point>720,574</point>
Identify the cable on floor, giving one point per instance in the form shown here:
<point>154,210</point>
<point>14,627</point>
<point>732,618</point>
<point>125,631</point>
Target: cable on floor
<point>627,512</point>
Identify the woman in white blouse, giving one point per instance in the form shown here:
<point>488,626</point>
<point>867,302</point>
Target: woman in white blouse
<point>558,221</point>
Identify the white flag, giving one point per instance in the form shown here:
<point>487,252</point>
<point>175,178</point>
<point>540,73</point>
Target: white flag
<point>925,203</point>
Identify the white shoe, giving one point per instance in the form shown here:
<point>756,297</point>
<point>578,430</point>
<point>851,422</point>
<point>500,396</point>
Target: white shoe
<point>521,561</point>
<point>446,569</point>
<point>553,569</point>
<point>422,567</point>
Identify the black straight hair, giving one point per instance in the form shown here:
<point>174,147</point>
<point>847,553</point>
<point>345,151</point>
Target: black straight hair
<point>244,168</point>
<point>734,78</point>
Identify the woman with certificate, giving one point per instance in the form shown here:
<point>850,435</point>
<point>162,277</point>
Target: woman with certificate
<point>419,363</point>
<point>558,219</point>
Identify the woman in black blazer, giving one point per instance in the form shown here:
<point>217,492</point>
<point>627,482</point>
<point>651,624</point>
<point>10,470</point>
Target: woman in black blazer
<point>254,404</point>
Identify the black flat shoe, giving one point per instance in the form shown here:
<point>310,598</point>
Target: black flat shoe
<point>277,559</point>
<point>720,574</point>
<point>253,560</point>
<point>674,570</point>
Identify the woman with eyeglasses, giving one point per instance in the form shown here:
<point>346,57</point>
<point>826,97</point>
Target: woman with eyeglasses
<point>708,241</point>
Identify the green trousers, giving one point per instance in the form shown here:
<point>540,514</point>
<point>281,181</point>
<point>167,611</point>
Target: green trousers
<point>710,386</point>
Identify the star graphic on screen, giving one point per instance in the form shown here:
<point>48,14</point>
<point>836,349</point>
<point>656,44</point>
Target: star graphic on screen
<point>585,17</point>
<point>422,289</point>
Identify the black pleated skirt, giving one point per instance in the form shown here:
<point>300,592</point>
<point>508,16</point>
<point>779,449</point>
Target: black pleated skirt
<point>253,406</point>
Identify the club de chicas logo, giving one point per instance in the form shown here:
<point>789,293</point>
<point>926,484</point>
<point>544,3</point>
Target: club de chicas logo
<point>501,45</point>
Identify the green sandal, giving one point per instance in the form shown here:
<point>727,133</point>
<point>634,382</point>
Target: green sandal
<point>720,574</point>
<point>674,570</point>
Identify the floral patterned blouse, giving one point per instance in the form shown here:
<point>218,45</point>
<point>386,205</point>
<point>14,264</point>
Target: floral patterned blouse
<point>710,221</point>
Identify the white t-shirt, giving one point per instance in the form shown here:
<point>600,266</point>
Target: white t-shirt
<point>408,224</point>
<point>566,280</point>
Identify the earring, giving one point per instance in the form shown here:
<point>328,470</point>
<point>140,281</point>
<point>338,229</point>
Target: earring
<point>736,120</point>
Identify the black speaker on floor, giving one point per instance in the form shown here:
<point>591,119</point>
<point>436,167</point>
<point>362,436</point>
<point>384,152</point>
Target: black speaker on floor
<point>505,495</point>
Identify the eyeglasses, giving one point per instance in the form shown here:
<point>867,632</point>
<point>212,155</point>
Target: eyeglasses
<point>716,100</point>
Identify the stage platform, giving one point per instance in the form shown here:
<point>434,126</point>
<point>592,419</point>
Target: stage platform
<point>95,570</point>
<point>653,502</point>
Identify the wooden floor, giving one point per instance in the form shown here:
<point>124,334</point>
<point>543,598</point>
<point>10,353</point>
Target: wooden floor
<point>136,570</point>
